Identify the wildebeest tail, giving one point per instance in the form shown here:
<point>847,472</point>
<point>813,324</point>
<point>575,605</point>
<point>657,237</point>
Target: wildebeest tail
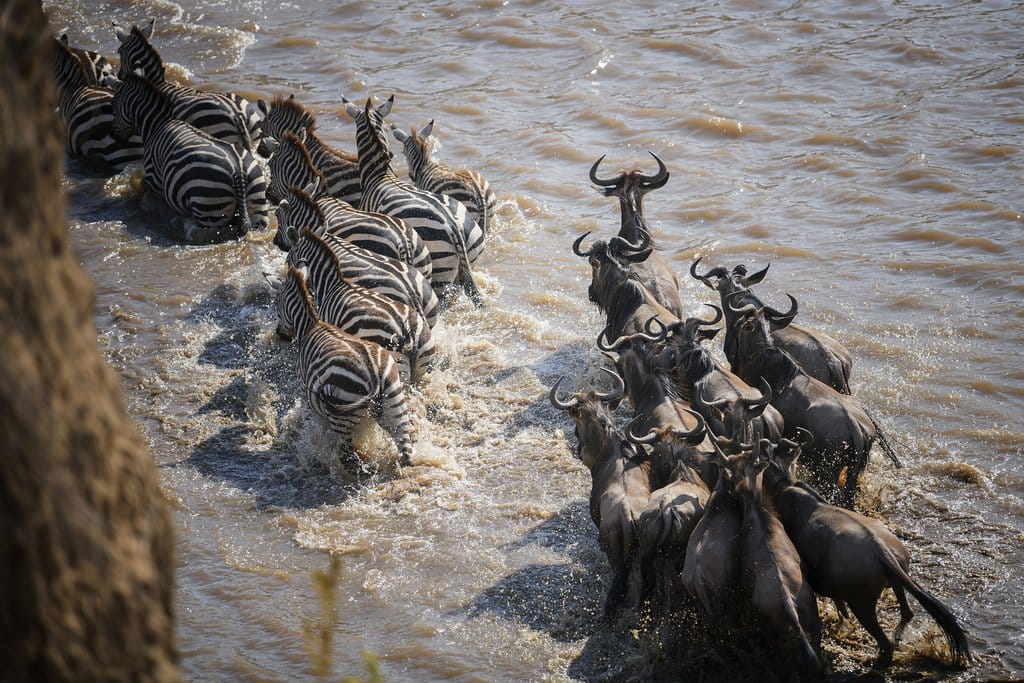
<point>883,440</point>
<point>955,636</point>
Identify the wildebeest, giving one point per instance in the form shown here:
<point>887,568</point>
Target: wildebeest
<point>843,432</point>
<point>852,558</point>
<point>654,271</point>
<point>820,356</point>
<point>780,593</point>
<point>733,408</point>
<point>620,482</point>
<point>672,511</point>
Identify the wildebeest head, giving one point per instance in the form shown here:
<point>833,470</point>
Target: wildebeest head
<point>784,455</point>
<point>608,264</point>
<point>590,412</point>
<point>630,188</point>
<point>752,324</point>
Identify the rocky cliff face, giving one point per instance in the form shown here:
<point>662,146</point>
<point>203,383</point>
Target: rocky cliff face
<point>86,540</point>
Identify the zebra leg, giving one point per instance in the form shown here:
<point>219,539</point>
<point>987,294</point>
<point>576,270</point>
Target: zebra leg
<point>395,418</point>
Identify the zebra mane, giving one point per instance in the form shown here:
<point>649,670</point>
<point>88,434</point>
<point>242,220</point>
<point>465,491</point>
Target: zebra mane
<point>289,104</point>
<point>149,86</point>
<point>79,75</point>
<point>301,195</point>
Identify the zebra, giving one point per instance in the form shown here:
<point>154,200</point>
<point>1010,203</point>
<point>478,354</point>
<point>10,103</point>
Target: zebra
<point>98,71</point>
<point>362,311</point>
<point>376,232</point>
<point>384,275</point>
<point>469,187</point>
<point>341,169</point>
<point>218,185</point>
<point>344,378</point>
<point>88,113</point>
<point>454,239</point>
<point>226,116</point>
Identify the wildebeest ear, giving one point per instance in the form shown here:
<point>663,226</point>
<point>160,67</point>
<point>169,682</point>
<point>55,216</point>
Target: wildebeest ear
<point>707,334</point>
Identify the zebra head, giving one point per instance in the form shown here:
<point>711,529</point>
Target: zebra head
<point>295,308</point>
<point>371,135</point>
<point>282,115</point>
<point>291,165</point>
<point>135,47</point>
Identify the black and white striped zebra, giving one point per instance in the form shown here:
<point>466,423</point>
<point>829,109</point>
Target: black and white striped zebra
<point>98,71</point>
<point>219,186</point>
<point>361,311</point>
<point>384,235</point>
<point>291,165</point>
<point>427,173</point>
<point>344,378</point>
<point>340,168</point>
<point>452,236</point>
<point>225,116</point>
<point>393,279</point>
<point>88,114</point>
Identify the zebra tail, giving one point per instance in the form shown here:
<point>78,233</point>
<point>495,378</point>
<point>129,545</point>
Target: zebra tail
<point>465,277</point>
<point>240,221</point>
<point>883,441</point>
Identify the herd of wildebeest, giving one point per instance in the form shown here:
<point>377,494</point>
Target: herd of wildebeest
<point>731,488</point>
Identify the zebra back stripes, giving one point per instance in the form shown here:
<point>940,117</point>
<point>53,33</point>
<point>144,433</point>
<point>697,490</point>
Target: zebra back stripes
<point>364,312</point>
<point>88,113</point>
<point>345,378</point>
<point>469,187</point>
<point>376,232</point>
<point>219,186</point>
<point>451,235</point>
<point>386,276</point>
<point>224,115</point>
<point>285,116</point>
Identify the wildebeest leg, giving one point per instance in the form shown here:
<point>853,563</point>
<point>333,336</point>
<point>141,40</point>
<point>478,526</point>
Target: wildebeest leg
<point>906,614</point>
<point>617,591</point>
<point>864,609</point>
<point>841,608</point>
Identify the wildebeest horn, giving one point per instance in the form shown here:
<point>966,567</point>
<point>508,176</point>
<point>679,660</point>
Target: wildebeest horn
<point>599,181</point>
<point>632,256</point>
<point>553,395</point>
<point>749,308</point>
<point>782,319</point>
<point>766,397</point>
<point>653,182</point>
<point>621,246</point>
<point>754,278</point>
<point>717,272</point>
<point>576,246</point>
<point>695,435</point>
<point>718,403</point>
<point>660,335</point>
<point>614,394</point>
<point>648,438</point>
<point>804,436</point>
<point>629,338</point>
<point>718,316</point>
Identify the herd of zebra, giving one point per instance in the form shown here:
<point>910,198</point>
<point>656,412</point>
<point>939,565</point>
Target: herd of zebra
<point>700,491</point>
<point>371,259</point>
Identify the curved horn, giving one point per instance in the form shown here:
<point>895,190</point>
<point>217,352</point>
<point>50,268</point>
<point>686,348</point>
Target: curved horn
<point>766,397</point>
<point>749,308</point>
<point>695,435</point>
<point>614,394</point>
<point>576,246</point>
<point>621,246</point>
<point>653,182</point>
<point>718,403</point>
<point>804,436</point>
<point>612,347</point>
<point>718,316</point>
<point>782,319</point>
<point>553,395</point>
<point>634,256</point>
<point>599,181</point>
<point>754,278</point>
<point>659,336</point>
<point>648,438</point>
<point>717,272</point>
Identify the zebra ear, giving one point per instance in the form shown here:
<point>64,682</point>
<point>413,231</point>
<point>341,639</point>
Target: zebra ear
<point>292,233</point>
<point>262,106</point>
<point>302,268</point>
<point>121,34</point>
<point>63,38</point>
<point>352,109</point>
<point>400,134</point>
<point>147,32</point>
<point>273,281</point>
<point>302,135</point>
<point>270,144</point>
<point>385,108</point>
<point>427,130</point>
<point>138,71</point>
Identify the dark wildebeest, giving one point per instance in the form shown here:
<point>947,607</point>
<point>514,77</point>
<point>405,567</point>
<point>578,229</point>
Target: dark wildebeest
<point>624,300</point>
<point>733,408</point>
<point>654,271</point>
<point>620,481</point>
<point>779,589</point>
<point>672,512</point>
<point>843,432</point>
<point>821,356</point>
<point>852,558</point>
